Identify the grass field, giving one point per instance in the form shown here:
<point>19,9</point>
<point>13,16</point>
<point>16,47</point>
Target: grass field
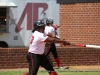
<point>60,72</point>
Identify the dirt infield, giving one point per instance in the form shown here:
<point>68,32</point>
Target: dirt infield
<point>83,67</point>
<point>92,68</point>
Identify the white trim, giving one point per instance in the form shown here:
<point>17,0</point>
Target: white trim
<point>7,4</point>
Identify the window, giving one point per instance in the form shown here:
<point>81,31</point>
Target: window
<point>3,19</point>
<point>4,8</point>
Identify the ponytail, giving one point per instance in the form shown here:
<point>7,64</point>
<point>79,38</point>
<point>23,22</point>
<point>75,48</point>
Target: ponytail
<point>33,30</point>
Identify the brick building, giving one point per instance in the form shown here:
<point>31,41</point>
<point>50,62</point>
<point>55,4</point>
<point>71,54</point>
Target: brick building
<point>80,21</point>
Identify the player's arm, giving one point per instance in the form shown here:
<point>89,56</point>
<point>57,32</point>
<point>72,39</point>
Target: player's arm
<point>51,35</point>
<point>55,40</point>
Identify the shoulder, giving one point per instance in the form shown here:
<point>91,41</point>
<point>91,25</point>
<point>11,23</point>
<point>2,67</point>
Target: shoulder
<point>52,27</point>
<point>36,33</point>
<point>48,27</point>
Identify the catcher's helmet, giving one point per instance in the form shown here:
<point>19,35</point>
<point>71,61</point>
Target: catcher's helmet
<point>38,24</point>
<point>49,20</point>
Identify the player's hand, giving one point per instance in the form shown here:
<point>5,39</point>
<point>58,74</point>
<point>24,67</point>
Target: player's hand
<point>66,43</point>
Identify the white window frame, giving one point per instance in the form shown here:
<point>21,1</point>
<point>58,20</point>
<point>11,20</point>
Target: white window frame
<point>7,5</point>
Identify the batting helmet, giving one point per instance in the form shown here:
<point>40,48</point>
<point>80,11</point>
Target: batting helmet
<point>38,23</point>
<point>49,20</point>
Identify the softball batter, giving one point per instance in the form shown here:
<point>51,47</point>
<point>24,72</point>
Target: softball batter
<point>35,55</point>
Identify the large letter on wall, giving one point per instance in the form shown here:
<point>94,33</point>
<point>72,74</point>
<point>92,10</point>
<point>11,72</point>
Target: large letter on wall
<point>31,10</point>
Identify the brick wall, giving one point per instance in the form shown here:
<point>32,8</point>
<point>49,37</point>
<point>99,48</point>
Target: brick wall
<point>77,56</point>
<point>13,58</point>
<point>80,22</point>
<point>16,57</point>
